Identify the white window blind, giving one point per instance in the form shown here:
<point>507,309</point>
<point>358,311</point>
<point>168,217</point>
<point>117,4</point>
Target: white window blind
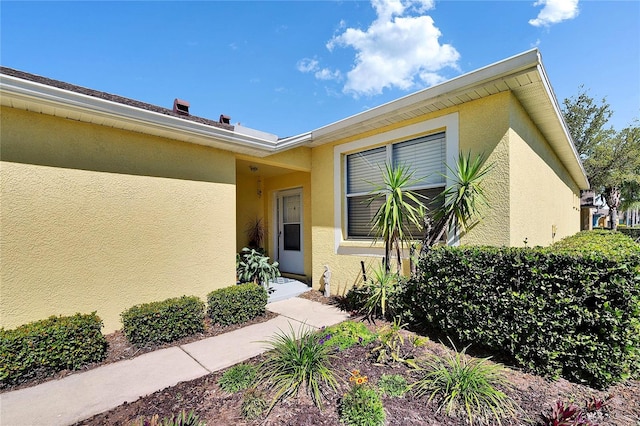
<point>364,172</point>
<point>425,156</point>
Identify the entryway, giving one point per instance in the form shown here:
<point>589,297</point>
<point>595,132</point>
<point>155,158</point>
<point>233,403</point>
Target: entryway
<point>289,231</point>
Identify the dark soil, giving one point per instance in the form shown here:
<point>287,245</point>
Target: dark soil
<point>533,394</point>
<point>119,348</point>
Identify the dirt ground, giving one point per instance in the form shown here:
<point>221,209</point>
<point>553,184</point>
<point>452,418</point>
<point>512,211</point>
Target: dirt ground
<point>533,394</point>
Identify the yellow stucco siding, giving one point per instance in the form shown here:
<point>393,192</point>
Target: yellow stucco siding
<point>545,200</point>
<point>100,219</point>
<point>250,206</point>
<point>484,128</point>
<point>345,269</point>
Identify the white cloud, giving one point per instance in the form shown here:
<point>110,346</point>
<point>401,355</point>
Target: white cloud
<point>307,65</point>
<point>554,11</point>
<point>397,50</point>
<point>327,74</point>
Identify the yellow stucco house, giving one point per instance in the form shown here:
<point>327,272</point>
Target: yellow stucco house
<point>108,202</point>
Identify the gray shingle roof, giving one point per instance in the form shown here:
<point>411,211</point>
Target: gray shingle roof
<point>108,96</point>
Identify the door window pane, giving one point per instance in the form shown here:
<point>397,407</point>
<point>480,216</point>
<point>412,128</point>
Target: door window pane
<point>292,237</point>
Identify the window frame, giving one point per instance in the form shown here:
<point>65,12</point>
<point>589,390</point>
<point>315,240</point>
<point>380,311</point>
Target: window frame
<point>389,150</point>
<point>447,124</point>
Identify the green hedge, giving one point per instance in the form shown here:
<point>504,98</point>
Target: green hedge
<point>162,322</point>
<point>556,314</point>
<point>603,242</point>
<point>41,348</point>
<point>236,304</point>
<point>634,232</point>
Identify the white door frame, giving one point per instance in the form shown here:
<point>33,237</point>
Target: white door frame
<point>291,261</point>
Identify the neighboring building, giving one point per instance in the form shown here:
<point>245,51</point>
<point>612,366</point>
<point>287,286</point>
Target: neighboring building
<point>587,208</point>
<point>109,202</point>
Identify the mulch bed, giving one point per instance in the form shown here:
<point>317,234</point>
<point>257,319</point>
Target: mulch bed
<point>533,394</point>
<point>119,348</point>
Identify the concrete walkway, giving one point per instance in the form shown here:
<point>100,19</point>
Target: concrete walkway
<point>82,395</point>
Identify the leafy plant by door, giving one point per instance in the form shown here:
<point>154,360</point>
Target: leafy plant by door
<point>253,266</point>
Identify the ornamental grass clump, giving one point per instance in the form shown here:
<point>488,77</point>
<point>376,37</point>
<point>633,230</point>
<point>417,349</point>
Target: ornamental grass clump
<point>465,386</point>
<point>362,405</point>
<point>297,361</point>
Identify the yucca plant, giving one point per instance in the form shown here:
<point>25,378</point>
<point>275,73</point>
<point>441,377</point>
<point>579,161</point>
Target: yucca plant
<point>400,208</point>
<point>465,385</point>
<point>461,201</point>
<point>298,361</point>
<point>379,293</point>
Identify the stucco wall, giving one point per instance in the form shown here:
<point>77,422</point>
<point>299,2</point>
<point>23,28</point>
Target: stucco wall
<point>100,219</point>
<point>545,204</point>
<point>526,177</point>
<point>484,129</point>
<point>249,207</point>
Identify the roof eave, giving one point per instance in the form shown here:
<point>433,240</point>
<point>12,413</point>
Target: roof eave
<point>29,95</point>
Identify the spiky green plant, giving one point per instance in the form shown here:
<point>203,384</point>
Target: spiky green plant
<point>466,385</point>
<point>400,208</point>
<point>298,360</point>
<point>379,293</point>
<point>461,201</point>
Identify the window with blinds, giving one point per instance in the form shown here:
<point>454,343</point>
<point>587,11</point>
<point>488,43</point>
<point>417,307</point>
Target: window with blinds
<point>364,173</point>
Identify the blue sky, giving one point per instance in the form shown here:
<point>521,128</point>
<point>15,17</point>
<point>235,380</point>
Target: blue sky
<point>287,67</point>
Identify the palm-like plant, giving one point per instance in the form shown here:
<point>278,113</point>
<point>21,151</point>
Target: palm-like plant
<point>400,208</point>
<point>460,201</point>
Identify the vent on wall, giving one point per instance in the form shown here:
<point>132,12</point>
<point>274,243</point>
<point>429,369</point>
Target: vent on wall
<point>180,107</point>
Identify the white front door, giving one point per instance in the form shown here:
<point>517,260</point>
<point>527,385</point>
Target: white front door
<point>289,231</point>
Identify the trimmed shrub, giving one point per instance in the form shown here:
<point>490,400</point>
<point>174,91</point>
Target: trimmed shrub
<point>633,233</point>
<point>163,322</point>
<point>42,348</point>
<point>237,304</point>
<point>556,314</point>
<point>603,242</point>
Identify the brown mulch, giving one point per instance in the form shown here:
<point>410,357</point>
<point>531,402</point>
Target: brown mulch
<point>533,394</point>
<point>119,348</point>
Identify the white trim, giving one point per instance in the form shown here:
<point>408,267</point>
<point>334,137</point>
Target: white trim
<point>449,122</point>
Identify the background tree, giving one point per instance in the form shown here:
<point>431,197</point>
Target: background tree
<point>611,160</point>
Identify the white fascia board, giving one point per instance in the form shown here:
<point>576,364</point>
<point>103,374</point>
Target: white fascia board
<point>60,98</point>
<point>528,59</point>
